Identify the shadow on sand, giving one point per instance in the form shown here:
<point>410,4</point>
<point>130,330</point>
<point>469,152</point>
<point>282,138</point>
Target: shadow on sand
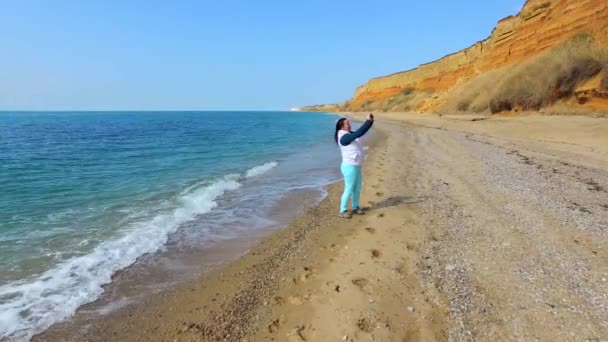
<point>395,201</point>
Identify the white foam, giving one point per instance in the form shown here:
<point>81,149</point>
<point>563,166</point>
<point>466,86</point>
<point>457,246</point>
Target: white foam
<point>259,170</point>
<point>30,306</point>
<point>113,306</point>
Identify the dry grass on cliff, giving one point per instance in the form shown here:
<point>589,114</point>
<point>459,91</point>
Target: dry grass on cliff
<point>407,100</point>
<point>605,82</point>
<point>532,85</point>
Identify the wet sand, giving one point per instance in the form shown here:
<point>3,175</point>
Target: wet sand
<point>478,229</point>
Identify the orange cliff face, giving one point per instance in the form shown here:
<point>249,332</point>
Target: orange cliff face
<point>541,25</point>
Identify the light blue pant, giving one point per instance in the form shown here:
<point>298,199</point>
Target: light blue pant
<point>352,185</point>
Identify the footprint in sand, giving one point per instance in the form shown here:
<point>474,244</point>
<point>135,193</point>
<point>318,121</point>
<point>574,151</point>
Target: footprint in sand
<point>307,273</point>
<point>363,284</point>
<point>376,253</point>
<point>276,324</point>
<point>370,230</point>
<point>380,215</point>
<point>401,269</point>
<point>366,324</point>
<point>379,193</point>
<point>300,333</point>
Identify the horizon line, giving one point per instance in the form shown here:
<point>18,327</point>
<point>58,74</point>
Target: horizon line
<point>144,110</point>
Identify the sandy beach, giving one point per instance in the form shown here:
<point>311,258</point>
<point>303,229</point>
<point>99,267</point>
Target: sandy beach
<point>477,228</point>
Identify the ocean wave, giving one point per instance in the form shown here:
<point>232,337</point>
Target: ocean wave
<point>30,306</point>
<point>259,170</point>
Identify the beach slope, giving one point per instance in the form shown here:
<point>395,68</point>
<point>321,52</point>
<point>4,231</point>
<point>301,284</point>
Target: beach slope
<point>478,229</point>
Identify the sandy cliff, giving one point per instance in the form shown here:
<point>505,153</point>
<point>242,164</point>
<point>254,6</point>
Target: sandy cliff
<point>542,25</point>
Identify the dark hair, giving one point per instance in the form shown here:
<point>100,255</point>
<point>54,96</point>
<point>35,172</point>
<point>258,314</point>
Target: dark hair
<point>338,127</point>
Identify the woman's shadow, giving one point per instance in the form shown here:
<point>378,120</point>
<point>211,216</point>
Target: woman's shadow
<point>395,201</point>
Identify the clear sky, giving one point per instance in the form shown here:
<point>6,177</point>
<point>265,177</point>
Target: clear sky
<point>222,54</point>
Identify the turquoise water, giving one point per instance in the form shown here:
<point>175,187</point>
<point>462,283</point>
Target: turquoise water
<point>84,194</point>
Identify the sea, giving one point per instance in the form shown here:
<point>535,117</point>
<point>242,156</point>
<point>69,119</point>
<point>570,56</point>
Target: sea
<point>85,196</point>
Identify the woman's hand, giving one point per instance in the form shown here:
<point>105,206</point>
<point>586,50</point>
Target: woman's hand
<point>370,117</point>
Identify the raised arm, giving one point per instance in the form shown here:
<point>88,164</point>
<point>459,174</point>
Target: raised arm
<point>350,137</point>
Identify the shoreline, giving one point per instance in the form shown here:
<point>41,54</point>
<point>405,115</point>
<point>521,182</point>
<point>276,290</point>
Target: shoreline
<point>119,299</point>
<point>245,204</point>
<point>252,272</point>
<point>245,197</point>
<point>262,251</point>
<point>472,234</point>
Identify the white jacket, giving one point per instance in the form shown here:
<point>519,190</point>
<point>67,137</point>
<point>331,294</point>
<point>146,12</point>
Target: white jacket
<point>353,153</point>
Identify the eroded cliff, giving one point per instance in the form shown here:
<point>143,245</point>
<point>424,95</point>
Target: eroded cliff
<point>541,27</point>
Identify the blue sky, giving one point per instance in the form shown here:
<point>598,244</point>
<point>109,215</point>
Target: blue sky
<point>221,55</point>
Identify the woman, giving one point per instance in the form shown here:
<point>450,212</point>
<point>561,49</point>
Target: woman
<point>352,158</point>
